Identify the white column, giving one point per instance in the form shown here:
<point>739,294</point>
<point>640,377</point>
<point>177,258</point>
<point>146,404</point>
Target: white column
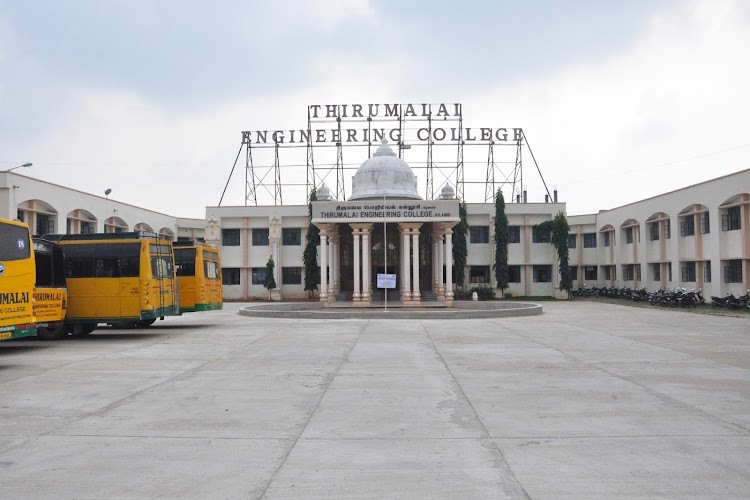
<point>357,295</point>
<point>336,264</point>
<point>405,284</point>
<point>331,291</point>
<point>366,265</point>
<point>449,265</point>
<point>323,264</point>
<point>276,256</point>
<point>435,261</point>
<point>415,295</point>
<point>442,263</point>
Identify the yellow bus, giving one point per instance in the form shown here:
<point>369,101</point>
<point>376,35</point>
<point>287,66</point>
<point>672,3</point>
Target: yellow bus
<point>122,279</point>
<point>50,295</point>
<point>17,276</point>
<point>198,276</point>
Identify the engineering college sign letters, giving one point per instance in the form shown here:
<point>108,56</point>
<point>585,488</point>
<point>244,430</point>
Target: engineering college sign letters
<point>366,123</point>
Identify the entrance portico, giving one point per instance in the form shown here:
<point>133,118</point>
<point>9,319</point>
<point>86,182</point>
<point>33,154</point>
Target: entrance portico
<point>420,254</point>
<point>385,228</point>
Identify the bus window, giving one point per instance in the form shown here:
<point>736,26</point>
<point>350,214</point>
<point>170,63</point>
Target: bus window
<point>184,259</point>
<point>161,267</point>
<point>19,245</point>
<point>210,269</point>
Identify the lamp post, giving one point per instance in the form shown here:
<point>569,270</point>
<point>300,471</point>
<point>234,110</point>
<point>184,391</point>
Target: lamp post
<point>385,258</point>
<point>25,165</point>
<point>106,207</point>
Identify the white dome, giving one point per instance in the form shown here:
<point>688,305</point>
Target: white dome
<point>384,175</point>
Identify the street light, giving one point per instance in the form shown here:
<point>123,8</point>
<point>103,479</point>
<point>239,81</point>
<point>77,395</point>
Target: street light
<point>25,165</point>
<point>106,207</point>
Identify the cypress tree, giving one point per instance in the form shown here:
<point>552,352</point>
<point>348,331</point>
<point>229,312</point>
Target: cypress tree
<point>460,250</point>
<point>269,282</point>
<point>310,255</point>
<point>560,232</point>
<point>501,243</point>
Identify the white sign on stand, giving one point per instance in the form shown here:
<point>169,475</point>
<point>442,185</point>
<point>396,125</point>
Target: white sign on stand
<point>386,280</point>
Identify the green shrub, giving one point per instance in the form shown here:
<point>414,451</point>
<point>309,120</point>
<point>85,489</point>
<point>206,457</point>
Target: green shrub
<point>484,292</point>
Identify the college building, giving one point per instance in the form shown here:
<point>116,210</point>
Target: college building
<point>695,237</point>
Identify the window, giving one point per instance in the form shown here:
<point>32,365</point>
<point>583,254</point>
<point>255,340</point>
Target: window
<point>211,269</point>
<point>705,227</point>
<point>44,225</point>
<point>605,237</point>
<point>479,234</point>
<point>589,273</point>
<point>291,236</point>
<point>687,272</point>
<point>667,229</point>
<point>687,226</point>
<point>258,275</point>
<point>628,235</point>
<point>542,274</point>
<point>572,241</point>
<point>230,237</point>
<point>20,249</point>
<point>669,271</point>
<point>656,269</point>
<point>514,274</point>
<point>707,271</point>
<point>184,261</point>
<point>573,272</point>
<point>628,272</point>
<point>609,273</point>
<point>111,260</point>
<point>88,227</point>
<point>730,221</point>
<point>589,240</point>
<point>260,237</point>
<point>230,275</point>
<point>514,234</point>
<point>291,275</point>
<point>539,235</point>
<point>479,274</point>
<point>733,271</point>
<point>653,231</point>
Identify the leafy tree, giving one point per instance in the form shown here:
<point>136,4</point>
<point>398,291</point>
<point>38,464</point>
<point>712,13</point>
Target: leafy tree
<point>560,231</point>
<point>310,255</point>
<point>269,282</point>
<point>501,243</point>
<point>460,250</point>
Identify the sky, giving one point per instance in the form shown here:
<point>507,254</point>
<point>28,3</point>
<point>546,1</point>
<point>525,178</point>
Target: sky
<point>619,101</point>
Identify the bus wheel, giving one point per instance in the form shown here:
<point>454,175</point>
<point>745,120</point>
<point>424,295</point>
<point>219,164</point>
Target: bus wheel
<point>124,325</point>
<point>55,333</point>
<point>145,323</point>
<point>83,328</point>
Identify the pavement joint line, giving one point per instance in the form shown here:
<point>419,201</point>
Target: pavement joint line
<point>649,390</point>
<point>396,438</point>
<point>331,376</point>
<point>132,396</point>
<point>487,434</point>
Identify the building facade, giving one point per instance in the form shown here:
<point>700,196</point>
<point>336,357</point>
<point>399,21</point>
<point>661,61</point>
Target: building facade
<point>53,209</point>
<point>695,237</point>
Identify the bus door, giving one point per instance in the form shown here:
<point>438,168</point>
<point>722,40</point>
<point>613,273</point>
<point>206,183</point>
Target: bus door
<point>163,274</point>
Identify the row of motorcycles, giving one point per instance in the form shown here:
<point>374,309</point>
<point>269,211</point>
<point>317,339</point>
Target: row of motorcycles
<point>679,297</point>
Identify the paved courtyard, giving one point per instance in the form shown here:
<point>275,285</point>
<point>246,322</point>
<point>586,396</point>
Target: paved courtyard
<point>587,400</point>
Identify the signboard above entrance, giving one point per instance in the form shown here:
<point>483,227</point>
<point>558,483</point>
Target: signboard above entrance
<point>385,210</point>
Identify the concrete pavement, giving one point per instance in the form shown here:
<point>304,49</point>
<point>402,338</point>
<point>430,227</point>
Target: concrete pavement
<point>587,400</point>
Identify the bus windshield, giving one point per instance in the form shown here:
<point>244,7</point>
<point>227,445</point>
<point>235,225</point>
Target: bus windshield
<point>17,246</point>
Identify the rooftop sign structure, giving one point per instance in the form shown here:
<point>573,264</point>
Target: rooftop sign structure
<point>337,138</point>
